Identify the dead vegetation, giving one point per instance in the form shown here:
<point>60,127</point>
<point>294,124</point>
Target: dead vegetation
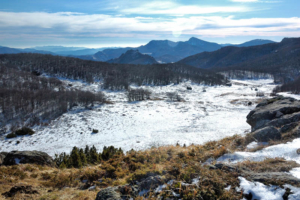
<point>178,163</point>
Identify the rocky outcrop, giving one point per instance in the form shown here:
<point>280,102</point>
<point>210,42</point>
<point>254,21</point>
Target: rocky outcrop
<point>32,157</point>
<point>276,111</point>
<point>273,117</point>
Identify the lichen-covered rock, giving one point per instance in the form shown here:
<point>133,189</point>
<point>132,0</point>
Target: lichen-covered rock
<point>32,157</point>
<point>109,193</point>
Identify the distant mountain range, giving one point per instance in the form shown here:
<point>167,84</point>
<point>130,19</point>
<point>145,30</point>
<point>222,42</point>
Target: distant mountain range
<point>163,51</point>
<point>166,51</point>
<point>133,56</point>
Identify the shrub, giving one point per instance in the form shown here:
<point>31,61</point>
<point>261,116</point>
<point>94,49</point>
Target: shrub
<point>138,94</point>
<point>95,131</point>
<point>24,131</point>
<point>260,94</point>
<point>11,135</point>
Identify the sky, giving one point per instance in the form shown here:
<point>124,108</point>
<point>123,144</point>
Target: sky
<point>119,23</point>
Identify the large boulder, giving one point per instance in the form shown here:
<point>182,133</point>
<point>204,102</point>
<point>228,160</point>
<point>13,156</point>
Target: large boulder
<point>32,157</point>
<point>109,193</point>
<point>285,109</point>
<point>266,134</point>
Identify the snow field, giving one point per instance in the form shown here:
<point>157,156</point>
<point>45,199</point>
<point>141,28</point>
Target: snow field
<point>204,116</point>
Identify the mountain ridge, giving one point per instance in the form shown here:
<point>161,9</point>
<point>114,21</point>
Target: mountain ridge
<point>133,56</point>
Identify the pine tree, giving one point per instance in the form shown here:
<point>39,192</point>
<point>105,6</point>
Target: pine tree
<point>87,154</point>
<point>82,157</point>
<point>75,160</point>
<point>94,155</point>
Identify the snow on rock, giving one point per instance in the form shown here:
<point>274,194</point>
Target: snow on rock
<point>204,116</point>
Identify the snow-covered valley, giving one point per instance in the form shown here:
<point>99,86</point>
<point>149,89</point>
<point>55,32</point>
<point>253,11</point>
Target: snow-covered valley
<point>203,116</point>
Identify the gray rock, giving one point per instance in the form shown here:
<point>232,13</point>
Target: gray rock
<point>288,127</point>
<point>32,157</point>
<point>108,194</point>
<point>150,182</point>
<point>270,109</point>
<point>267,134</point>
<point>286,119</point>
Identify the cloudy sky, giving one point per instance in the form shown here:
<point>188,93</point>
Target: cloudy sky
<point>104,23</point>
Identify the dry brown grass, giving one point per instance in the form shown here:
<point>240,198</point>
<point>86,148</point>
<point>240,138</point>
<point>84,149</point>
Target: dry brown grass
<point>179,163</point>
<point>269,165</point>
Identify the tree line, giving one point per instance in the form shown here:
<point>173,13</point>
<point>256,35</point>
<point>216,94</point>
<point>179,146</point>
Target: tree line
<point>293,87</point>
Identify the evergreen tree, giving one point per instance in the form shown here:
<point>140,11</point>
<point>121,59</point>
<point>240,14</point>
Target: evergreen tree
<point>87,153</point>
<point>82,157</point>
<point>75,160</point>
<point>94,155</point>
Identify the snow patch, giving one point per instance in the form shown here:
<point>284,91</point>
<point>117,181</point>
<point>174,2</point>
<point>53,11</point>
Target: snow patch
<point>261,191</point>
<point>287,151</point>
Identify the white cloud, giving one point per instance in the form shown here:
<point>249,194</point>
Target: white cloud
<point>171,8</point>
<point>60,25</point>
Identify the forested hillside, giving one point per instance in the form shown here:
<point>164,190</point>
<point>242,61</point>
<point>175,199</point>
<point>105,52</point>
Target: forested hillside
<point>280,59</point>
<point>115,76</point>
<point>29,99</point>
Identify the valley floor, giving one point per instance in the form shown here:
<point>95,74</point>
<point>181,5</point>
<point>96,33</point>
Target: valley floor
<point>203,116</point>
